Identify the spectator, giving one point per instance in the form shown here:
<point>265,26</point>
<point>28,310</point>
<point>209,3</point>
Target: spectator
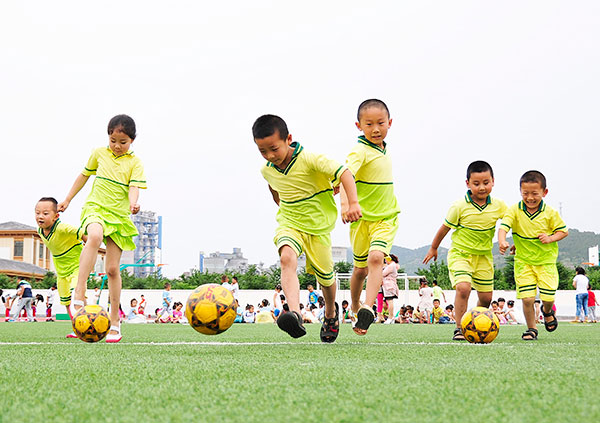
<point>592,303</point>
<point>239,313</point>
<point>439,316</point>
<point>49,303</point>
<point>97,293</point>
<point>162,316</point>
<point>133,316</point>
<point>249,314</point>
<point>313,295</point>
<point>438,292</point>
<point>499,314</point>
<point>510,313</point>
<point>426,302</point>
<point>390,285</point>
<point>167,301</point>
<point>265,313</point>
<point>178,314</point>
<point>310,314</point>
<point>321,310</point>
<point>225,282</point>
<point>235,287</point>
<point>581,283</point>
<point>346,313</point>
<point>25,297</point>
<point>277,301</point>
<point>450,313</point>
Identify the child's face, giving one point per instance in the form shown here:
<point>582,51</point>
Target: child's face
<point>119,142</point>
<point>480,184</point>
<point>374,123</point>
<point>276,150</point>
<point>45,214</point>
<point>501,304</point>
<point>133,303</point>
<point>532,194</point>
<point>436,304</point>
<point>495,307</point>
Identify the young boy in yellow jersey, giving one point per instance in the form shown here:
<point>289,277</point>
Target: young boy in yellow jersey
<point>64,242</point>
<point>372,236</point>
<point>302,185</point>
<point>470,261</point>
<point>536,229</point>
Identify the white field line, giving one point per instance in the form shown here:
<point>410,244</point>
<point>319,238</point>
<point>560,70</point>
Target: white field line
<point>166,344</point>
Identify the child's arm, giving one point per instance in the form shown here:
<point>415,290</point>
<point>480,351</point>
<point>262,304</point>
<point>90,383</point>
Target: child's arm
<point>275,195</point>
<point>134,194</point>
<point>435,244</point>
<point>349,199</point>
<point>77,185</point>
<point>547,239</point>
<point>502,244</point>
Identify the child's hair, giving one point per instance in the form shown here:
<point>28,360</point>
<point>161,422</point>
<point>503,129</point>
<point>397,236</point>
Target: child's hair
<point>394,258</point>
<point>39,298</point>
<point>265,302</point>
<point>450,307</point>
<point>267,125</point>
<point>435,299</point>
<point>313,307</point>
<point>156,311</point>
<point>301,306</point>
<point>235,278</point>
<point>167,284</point>
<point>479,166</point>
<point>435,282</point>
<point>278,287</point>
<point>580,270</point>
<point>494,302</point>
<point>50,200</point>
<point>286,308</point>
<point>282,297</point>
<point>344,303</point>
<point>510,303</point>
<point>124,124</point>
<point>54,286</point>
<point>321,301</point>
<point>372,102</point>
<point>223,278</point>
<point>501,300</point>
<point>131,302</point>
<point>532,176</point>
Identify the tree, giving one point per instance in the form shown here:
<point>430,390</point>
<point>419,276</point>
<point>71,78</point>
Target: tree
<point>508,273</point>
<point>438,270</point>
<point>565,276</point>
<point>343,267</point>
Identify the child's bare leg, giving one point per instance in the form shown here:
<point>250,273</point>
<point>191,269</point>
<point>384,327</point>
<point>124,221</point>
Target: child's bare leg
<point>357,281</point>
<point>463,290</point>
<point>375,266</point>
<point>547,308</point>
<point>529,312</point>
<point>289,277</point>
<point>329,297</point>
<point>113,258</point>
<point>88,257</point>
<point>485,299</point>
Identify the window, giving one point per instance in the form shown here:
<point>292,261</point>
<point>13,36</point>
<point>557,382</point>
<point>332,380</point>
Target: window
<point>18,249</point>
<point>41,251</point>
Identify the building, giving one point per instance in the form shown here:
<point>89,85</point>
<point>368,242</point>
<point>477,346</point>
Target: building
<point>339,254</point>
<point>148,245</point>
<point>23,253</point>
<point>218,262</point>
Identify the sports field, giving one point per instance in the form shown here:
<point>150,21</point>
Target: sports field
<point>256,373</point>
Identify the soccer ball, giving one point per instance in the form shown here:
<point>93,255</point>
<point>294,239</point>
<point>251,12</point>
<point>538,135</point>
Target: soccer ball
<point>91,323</point>
<point>210,309</point>
<point>480,325</point>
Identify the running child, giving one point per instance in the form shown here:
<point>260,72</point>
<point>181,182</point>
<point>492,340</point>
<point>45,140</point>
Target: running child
<point>106,213</point>
<point>470,261</point>
<point>371,236</point>
<point>302,184</point>
<point>536,229</point>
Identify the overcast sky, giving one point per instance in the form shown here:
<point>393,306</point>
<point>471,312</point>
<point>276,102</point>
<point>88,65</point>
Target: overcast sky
<point>514,83</point>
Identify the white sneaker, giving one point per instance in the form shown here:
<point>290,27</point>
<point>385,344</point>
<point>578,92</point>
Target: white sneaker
<point>113,338</point>
<point>389,322</point>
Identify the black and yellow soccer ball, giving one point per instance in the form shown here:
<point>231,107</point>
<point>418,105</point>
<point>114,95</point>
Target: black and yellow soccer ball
<point>480,325</point>
<point>210,309</point>
<point>91,323</point>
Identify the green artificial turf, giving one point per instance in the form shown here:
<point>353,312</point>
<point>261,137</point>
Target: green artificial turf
<point>411,373</point>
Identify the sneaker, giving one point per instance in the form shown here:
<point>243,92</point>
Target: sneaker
<point>113,338</point>
<point>389,322</point>
<point>291,323</point>
<point>331,327</point>
<point>71,335</point>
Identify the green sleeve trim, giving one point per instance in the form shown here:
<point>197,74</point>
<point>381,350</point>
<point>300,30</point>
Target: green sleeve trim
<point>135,180</point>
<point>450,224</point>
<point>506,226</point>
<point>90,170</point>
<point>335,176</point>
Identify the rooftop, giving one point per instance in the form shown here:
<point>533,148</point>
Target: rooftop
<point>16,226</point>
<point>19,268</point>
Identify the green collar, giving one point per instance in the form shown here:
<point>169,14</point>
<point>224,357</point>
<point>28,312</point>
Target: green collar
<point>533,215</point>
<point>469,199</point>
<point>297,150</point>
<point>129,153</point>
<point>363,140</point>
<point>52,229</point>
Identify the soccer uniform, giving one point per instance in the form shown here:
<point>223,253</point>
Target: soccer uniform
<point>64,242</point>
<point>470,256</point>
<point>372,170</point>
<point>108,202</point>
<point>535,263</point>
<point>307,210</point>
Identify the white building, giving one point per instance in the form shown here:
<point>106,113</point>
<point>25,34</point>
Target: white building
<point>218,262</point>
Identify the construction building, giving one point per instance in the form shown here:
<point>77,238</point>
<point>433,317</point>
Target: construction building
<point>148,244</point>
<point>218,262</point>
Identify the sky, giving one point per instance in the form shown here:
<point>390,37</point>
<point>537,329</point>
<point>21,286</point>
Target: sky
<point>514,83</point>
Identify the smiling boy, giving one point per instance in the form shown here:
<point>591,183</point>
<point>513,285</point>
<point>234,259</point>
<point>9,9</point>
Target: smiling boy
<point>302,185</point>
<point>470,261</point>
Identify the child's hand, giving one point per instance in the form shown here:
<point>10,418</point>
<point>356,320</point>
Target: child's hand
<point>62,206</point>
<point>545,239</point>
<point>431,254</point>
<point>336,190</point>
<point>352,213</point>
<point>134,208</point>
<point>503,246</point>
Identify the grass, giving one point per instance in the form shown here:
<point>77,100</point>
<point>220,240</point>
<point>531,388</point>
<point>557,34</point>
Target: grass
<point>411,373</point>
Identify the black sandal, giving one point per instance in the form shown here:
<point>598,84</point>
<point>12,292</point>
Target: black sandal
<point>458,335</point>
<point>364,318</point>
<point>291,323</point>
<point>331,327</point>
<point>551,325</point>
<point>532,333</point>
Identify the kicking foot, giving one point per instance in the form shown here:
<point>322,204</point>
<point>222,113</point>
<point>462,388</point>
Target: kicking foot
<point>75,306</point>
<point>530,334</point>
<point>331,327</point>
<point>114,335</point>
<point>291,323</point>
<point>458,335</point>
<point>364,318</point>
<point>552,324</point>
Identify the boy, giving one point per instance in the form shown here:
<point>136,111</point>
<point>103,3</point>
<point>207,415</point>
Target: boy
<point>372,236</point>
<point>439,316</point>
<point>167,300</point>
<point>302,185</point>
<point>470,261</point>
<point>536,229</point>
<point>64,242</point>
<point>50,303</point>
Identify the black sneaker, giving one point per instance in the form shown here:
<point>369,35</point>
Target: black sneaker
<point>331,327</point>
<point>291,323</point>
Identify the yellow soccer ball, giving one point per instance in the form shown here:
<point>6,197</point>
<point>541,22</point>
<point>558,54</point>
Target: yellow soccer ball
<point>480,325</point>
<point>91,323</point>
<point>210,309</point>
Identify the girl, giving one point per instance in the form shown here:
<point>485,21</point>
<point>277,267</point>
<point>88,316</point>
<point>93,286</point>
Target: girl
<point>105,214</point>
<point>390,285</point>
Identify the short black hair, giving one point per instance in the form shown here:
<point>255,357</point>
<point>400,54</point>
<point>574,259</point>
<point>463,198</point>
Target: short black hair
<point>124,124</point>
<point>532,176</point>
<point>394,258</point>
<point>501,299</point>
<point>494,302</point>
<point>479,166</point>
<point>510,303</point>
<point>372,102</point>
<point>50,200</point>
<point>580,270</point>
<point>267,125</point>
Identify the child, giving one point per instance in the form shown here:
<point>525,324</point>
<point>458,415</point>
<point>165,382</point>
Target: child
<point>249,314</point>
<point>592,303</point>
<point>510,313</point>
<point>426,301</point>
<point>372,236</point>
<point>239,312</point>
<point>581,283</point>
<point>536,229</point>
<point>50,302</point>
<point>438,313</point>
<point>450,313</point>
<point>346,312</point>
<point>302,185</point>
<point>133,316</point>
<point>64,242</point>
<point>167,301</point>
<point>177,313</point>
<point>390,285</point>
<point>498,312</point>
<point>470,261</point>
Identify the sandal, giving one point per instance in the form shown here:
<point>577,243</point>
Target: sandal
<point>364,318</point>
<point>291,323</point>
<point>458,335</point>
<point>552,324</point>
<point>530,334</point>
<point>113,338</point>
<point>331,327</point>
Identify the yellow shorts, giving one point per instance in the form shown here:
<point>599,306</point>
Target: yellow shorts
<point>317,249</point>
<point>367,236</point>
<point>476,269</point>
<point>65,286</point>
<point>528,277</point>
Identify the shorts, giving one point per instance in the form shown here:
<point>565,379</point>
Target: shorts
<point>476,269</point>
<point>367,236</point>
<point>65,286</point>
<point>317,248</point>
<point>528,277</point>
